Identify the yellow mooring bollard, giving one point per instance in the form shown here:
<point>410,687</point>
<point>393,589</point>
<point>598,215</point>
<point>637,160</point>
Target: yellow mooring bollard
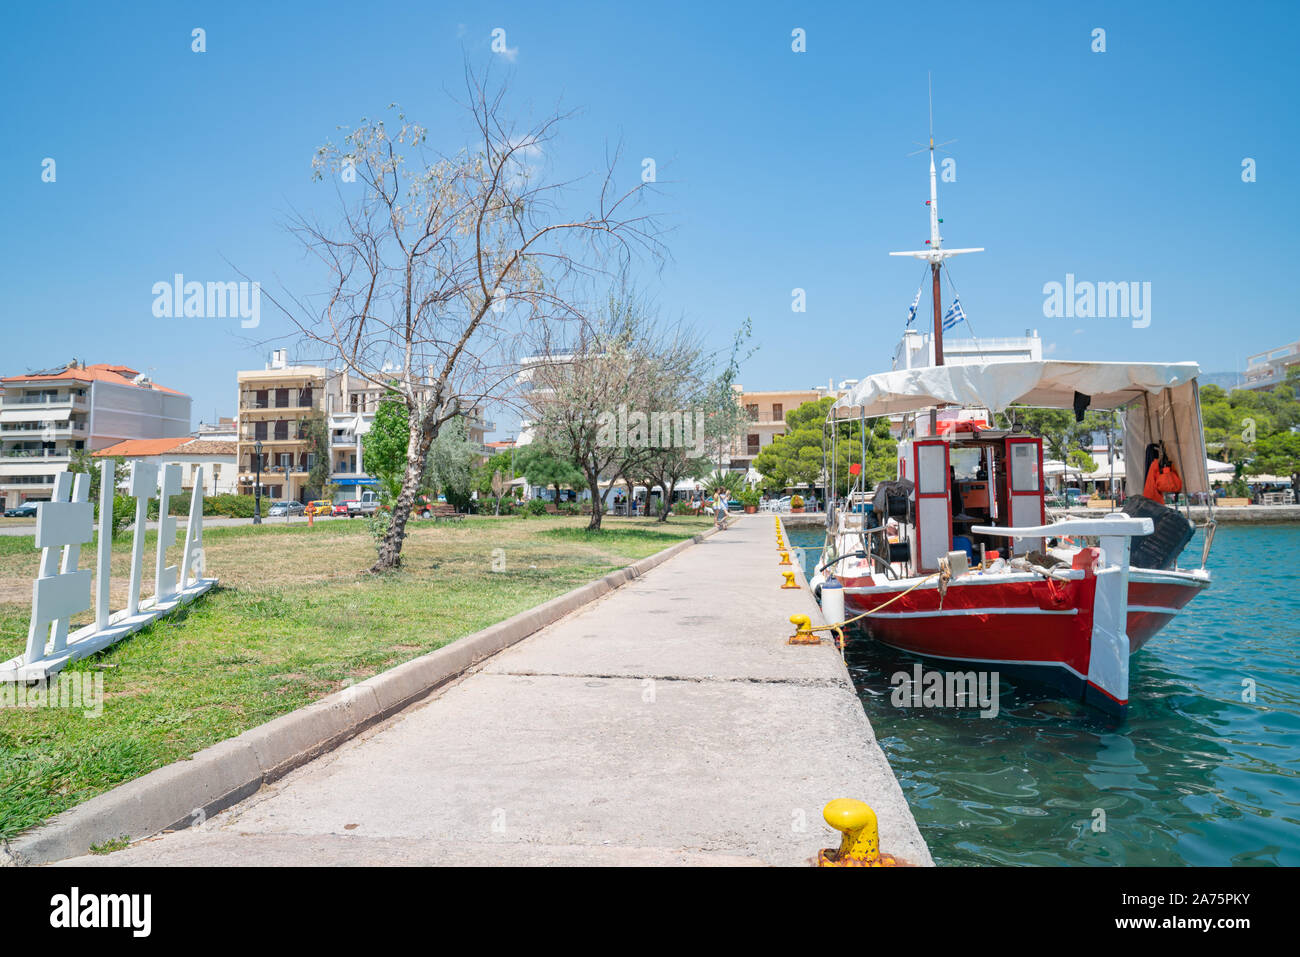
<point>803,633</point>
<point>860,846</point>
<point>789,580</point>
<point>785,558</point>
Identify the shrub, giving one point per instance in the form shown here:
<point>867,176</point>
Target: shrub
<point>377,525</point>
<point>123,513</point>
<point>750,497</point>
<point>796,501</point>
<point>535,506</point>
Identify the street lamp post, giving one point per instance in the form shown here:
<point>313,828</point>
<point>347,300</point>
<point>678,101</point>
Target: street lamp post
<point>257,488</point>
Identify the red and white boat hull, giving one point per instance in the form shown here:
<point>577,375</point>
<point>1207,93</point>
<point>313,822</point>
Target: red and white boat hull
<point>1060,632</point>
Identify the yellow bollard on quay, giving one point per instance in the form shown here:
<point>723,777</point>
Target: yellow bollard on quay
<point>789,580</point>
<point>803,633</point>
<point>785,558</point>
<point>860,846</point>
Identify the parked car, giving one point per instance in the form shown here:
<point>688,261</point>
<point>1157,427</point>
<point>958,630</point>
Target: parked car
<point>340,508</point>
<point>321,506</point>
<point>287,508</point>
<point>367,504</point>
<point>25,510</point>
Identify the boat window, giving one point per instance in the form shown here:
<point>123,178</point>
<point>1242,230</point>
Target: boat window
<point>965,462</point>
<point>1024,467</point>
<point>933,477</point>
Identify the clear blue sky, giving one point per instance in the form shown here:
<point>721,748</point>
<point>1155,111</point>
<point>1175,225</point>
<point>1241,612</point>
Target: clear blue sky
<point>788,169</point>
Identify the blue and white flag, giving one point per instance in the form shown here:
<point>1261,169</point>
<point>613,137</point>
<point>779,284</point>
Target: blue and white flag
<point>911,313</point>
<point>954,315</point>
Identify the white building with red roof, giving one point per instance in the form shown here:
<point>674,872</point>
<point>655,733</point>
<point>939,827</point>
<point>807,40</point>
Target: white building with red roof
<point>47,416</point>
<point>215,457</point>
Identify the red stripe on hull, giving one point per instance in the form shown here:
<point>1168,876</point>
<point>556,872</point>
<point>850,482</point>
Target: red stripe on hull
<point>1023,629</point>
<point>1045,621</point>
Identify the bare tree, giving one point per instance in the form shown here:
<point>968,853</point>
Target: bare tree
<point>672,390</point>
<point>443,259</point>
<point>620,398</point>
<point>578,381</point>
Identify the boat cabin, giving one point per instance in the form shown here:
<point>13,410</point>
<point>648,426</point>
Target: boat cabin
<point>964,477</point>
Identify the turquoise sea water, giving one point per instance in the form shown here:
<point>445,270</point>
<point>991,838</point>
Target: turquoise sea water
<point>1195,775</point>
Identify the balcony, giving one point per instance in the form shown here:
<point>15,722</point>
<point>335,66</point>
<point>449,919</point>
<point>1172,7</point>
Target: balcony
<point>48,455</point>
<point>297,399</point>
<point>14,401</point>
<point>296,432</point>
<point>39,429</point>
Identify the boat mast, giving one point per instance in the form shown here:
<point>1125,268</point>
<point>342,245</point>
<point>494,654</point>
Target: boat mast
<point>935,254</point>
<point>936,241</point>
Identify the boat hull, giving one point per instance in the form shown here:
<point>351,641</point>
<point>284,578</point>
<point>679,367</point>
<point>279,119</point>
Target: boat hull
<point>1020,625</point>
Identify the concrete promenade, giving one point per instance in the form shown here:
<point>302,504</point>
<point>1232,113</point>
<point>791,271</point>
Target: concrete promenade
<point>665,723</point>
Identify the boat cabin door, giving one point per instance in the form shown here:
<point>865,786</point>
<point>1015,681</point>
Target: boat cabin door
<point>1023,489</point>
<point>933,539</point>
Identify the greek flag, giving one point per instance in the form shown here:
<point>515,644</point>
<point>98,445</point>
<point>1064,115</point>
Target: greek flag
<point>954,315</point>
<point>911,312</point>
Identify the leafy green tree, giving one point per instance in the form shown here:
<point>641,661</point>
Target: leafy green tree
<point>449,465</point>
<point>383,448</point>
<point>1278,454</point>
<point>1250,427</point>
<point>316,431</point>
<point>543,467</point>
<point>797,456</point>
<point>486,475</point>
<point>730,484</point>
<point>1081,460</point>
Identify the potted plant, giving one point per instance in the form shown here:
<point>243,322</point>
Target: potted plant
<point>796,503</point>
<point>749,498</point>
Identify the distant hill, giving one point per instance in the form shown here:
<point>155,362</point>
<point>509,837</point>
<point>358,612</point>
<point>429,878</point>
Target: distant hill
<point>1224,380</point>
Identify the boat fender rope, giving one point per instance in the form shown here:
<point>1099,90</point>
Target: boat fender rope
<point>849,621</point>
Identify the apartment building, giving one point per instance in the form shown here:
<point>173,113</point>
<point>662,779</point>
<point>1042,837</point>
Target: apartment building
<point>1266,369</point>
<point>767,411</point>
<point>47,416</point>
<point>274,407</point>
<point>225,429</point>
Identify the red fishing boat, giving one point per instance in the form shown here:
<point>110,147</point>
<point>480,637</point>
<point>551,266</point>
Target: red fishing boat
<point>956,560</point>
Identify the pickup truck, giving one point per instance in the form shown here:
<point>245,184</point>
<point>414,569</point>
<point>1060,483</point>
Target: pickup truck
<point>367,504</point>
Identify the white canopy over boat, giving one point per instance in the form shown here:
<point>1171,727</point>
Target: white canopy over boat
<point>1161,400</point>
<point>1049,384</point>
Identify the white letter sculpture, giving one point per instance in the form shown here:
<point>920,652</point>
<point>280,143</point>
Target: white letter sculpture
<point>61,590</point>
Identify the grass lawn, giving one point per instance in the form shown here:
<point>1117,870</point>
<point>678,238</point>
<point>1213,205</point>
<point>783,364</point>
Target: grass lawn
<point>295,617</point>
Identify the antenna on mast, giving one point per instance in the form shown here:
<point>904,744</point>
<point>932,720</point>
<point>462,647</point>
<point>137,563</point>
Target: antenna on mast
<point>929,89</point>
<point>935,254</point>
